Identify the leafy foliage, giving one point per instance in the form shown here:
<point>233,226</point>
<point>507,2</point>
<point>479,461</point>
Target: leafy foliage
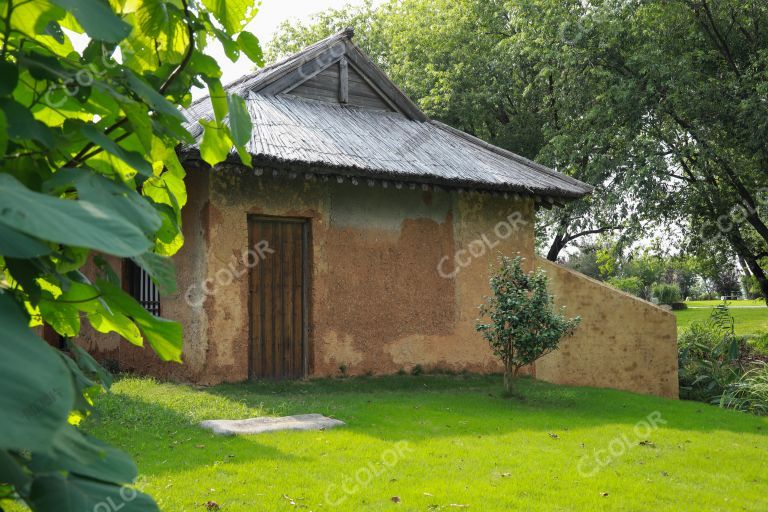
<point>89,168</point>
<point>718,367</point>
<point>524,325</point>
<point>631,284</point>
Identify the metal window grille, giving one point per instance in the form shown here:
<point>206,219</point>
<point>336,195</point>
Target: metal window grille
<point>141,288</point>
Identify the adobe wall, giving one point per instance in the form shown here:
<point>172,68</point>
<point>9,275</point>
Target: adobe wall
<point>386,293</point>
<point>623,342</point>
<point>378,302</point>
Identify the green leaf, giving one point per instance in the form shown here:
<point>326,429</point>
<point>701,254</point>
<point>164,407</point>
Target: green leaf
<point>12,472</point>
<point>18,245</point>
<point>216,144</point>
<point>124,201</point>
<point>232,14</point>
<point>63,317</point>
<point>101,317</point>
<point>86,456</point>
<point>204,65</point>
<point>240,124</point>
<point>163,335</point>
<point>37,391</point>
<point>9,77</point>
<point>231,48</point>
<point>161,269</point>
<point>26,272</point>
<point>153,98</point>
<point>251,46</point>
<point>59,493</point>
<point>138,116</point>
<point>22,125</point>
<point>218,99</point>
<point>153,17</point>
<point>135,160</point>
<point>77,223</point>
<point>3,133</point>
<point>97,19</point>
<point>90,366</point>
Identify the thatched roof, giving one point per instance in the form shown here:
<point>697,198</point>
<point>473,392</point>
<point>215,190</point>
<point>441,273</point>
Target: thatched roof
<point>386,137</point>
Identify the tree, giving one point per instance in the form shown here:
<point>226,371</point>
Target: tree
<point>659,104</point>
<point>523,323</point>
<point>89,168</point>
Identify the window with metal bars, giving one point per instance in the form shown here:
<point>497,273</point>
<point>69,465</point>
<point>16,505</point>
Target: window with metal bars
<point>140,286</point>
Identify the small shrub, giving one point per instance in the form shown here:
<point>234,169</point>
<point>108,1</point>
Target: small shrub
<point>679,306</point>
<point>666,293</point>
<point>710,357</point>
<point>524,325</point>
<point>402,371</point>
<point>343,370</point>
<point>417,370</point>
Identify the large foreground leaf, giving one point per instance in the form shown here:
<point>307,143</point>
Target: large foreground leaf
<point>77,223</point>
<point>86,456</point>
<point>165,336</point>
<point>57,493</point>
<point>38,392</point>
<point>97,19</point>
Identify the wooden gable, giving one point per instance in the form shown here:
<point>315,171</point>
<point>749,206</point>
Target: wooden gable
<point>341,83</point>
<point>338,72</point>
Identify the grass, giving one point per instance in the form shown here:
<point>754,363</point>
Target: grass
<point>747,320</point>
<point>731,303</point>
<point>460,443</point>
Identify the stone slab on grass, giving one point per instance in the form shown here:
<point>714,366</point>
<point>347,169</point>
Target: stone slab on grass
<point>262,425</point>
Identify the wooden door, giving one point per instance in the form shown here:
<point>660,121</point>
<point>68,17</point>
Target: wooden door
<point>278,302</point>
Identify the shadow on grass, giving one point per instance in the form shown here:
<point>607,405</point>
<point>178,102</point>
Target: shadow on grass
<point>417,408</point>
<point>165,441</point>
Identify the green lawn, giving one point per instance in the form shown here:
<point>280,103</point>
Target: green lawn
<point>747,320</point>
<point>731,303</point>
<point>436,442</point>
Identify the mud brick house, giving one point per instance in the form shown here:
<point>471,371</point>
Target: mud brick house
<point>361,239</point>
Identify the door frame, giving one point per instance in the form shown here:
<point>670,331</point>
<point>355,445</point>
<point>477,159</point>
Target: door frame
<point>306,268</point>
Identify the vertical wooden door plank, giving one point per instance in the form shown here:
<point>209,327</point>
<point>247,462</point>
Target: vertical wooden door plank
<point>268,334</point>
<point>278,306</point>
<point>288,248</point>
<point>298,299</point>
<point>254,289</point>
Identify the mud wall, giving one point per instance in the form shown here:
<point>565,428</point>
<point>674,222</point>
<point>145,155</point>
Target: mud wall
<point>379,301</point>
<point>396,277</point>
<point>623,342</point>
